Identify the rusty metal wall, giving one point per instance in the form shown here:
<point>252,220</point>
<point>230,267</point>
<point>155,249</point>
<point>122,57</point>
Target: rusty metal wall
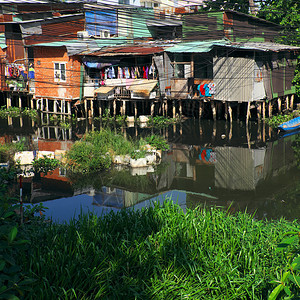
<point>233,78</point>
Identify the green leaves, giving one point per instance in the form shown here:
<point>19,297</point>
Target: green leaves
<point>12,234</point>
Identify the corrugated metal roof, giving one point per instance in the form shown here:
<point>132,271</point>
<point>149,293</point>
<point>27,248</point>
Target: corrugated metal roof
<point>197,46</point>
<point>166,22</point>
<point>266,46</point>
<point>127,50</point>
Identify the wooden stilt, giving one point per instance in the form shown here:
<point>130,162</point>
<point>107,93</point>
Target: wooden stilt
<point>86,108</point>
<point>174,109</point>
<point>166,104</point>
<point>8,101</point>
<point>270,109</point>
<point>287,102</point>
<point>248,113</point>
<point>213,108</point>
<point>292,102</point>
<point>226,111</point>
<point>279,104</point>
<point>135,110</point>
<point>31,103</point>
<point>152,108</point>
<point>200,108</point>
<point>193,109</point>
<point>100,108</point>
<point>264,110</point>
<point>259,112</point>
<point>92,108</point>
<point>69,109</point>
<point>124,108</point>
<point>230,113</point>
<point>20,102</point>
<point>180,108</point>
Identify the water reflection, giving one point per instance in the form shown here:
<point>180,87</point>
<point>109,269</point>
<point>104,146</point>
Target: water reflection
<point>210,163</point>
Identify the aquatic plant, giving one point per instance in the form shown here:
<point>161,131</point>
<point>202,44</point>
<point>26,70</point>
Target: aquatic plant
<point>32,113</point>
<point>275,121</point>
<point>156,253</point>
<point>161,121</point>
<point>17,112</point>
<point>157,142</point>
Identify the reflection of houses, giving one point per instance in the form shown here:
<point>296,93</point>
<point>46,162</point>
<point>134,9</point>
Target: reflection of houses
<point>119,198</point>
<point>200,169</point>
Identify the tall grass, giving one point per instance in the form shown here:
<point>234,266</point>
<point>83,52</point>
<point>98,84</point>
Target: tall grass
<point>156,253</point>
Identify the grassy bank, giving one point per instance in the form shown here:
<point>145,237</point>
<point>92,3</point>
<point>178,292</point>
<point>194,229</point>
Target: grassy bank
<point>155,254</point>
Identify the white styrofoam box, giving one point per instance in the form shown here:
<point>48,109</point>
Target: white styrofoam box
<point>41,154</point>
<point>143,119</point>
<point>138,163</point>
<point>24,157</point>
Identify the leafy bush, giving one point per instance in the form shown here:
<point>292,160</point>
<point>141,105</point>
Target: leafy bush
<point>85,157</point>
<point>13,282</point>
<point>275,121</point>
<point>45,165</point>
<point>161,121</point>
<point>158,142</point>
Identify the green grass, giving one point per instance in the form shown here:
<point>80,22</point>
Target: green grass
<point>157,253</point>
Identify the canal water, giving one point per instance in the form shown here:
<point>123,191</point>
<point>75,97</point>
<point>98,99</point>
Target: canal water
<point>235,167</point>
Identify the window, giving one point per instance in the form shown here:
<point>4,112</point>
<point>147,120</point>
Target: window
<point>59,72</point>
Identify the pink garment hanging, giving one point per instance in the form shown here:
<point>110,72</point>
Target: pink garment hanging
<point>144,73</point>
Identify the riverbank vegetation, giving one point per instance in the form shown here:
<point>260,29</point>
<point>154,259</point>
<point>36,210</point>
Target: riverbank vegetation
<point>156,253</point>
<point>15,112</point>
<point>275,121</point>
<point>97,149</point>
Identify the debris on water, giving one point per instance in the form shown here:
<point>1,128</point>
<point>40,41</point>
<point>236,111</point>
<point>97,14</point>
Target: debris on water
<point>223,136</point>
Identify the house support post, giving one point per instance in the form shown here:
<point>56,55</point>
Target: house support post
<point>248,113</point>
<point>100,108</point>
<point>180,108</point>
<point>279,104</point>
<point>135,110</point>
<point>200,108</point>
<point>92,108</point>
<point>259,112</point>
<point>152,108</point>
<point>214,111</point>
<point>287,102</point>
<point>8,101</point>
<point>174,109</point>
<point>292,102</point>
<point>20,102</point>
<point>86,108</point>
<point>270,109</point>
<point>166,105</point>
<point>230,112</point>
<point>69,109</point>
<point>226,111</point>
<point>114,107</point>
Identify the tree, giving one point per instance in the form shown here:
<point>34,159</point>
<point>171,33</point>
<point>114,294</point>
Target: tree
<point>237,5</point>
<point>285,13</point>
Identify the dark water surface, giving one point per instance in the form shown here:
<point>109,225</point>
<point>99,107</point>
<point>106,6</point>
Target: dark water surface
<point>210,163</point>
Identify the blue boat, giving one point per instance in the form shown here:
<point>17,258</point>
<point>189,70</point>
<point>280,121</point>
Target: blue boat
<point>290,125</point>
